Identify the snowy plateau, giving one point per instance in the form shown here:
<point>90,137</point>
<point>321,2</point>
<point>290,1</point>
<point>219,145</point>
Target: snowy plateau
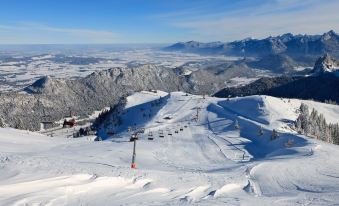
<point>217,158</point>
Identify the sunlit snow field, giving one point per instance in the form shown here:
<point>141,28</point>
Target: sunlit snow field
<point>209,162</point>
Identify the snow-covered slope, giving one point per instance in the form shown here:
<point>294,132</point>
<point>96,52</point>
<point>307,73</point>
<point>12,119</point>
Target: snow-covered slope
<point>208,162</point>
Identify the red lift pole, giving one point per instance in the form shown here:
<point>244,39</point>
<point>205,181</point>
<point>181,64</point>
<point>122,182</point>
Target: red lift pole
<point>133,165</point>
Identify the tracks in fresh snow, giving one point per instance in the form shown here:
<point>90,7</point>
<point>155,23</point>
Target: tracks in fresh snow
<point>222,152</point>
<point>236,154</point>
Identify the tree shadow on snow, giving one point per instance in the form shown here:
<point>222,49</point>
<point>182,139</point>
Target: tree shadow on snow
<point>259,146</point>
<point>137,116</point>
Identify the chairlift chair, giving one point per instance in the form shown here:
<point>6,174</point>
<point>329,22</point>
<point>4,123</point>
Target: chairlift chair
<point>133,137</point>
<point>150,136</point>
<point>142,130</point>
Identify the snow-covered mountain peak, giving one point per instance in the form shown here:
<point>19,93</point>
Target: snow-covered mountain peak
<point>325,64</point>
<point>46,84</point>
<point>328,35</point>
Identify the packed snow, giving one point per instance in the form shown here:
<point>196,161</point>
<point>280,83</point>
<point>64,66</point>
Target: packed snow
<point>203,159</point>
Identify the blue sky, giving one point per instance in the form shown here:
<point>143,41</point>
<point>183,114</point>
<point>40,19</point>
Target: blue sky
<point>160,21</point>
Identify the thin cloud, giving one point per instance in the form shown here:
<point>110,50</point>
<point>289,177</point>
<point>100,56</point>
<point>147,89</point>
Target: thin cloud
<point>270,18</point>
<point>47,34</point>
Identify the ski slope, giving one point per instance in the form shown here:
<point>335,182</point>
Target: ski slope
<point>207,162</point>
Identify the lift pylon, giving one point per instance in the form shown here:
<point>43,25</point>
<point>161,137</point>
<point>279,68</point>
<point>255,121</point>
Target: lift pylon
<point>133,165</point>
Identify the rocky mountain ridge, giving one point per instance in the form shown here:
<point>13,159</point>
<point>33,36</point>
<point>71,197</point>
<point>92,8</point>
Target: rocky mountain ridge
<point>57,98</point>
<point>322,84</point>
<point>326,64</point>
<point>292,45</point>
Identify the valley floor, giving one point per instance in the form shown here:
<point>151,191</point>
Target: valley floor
<point>204,160</point>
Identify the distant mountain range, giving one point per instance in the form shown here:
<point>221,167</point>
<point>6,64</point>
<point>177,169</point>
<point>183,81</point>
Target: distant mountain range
<point>280,55</point>
<point>57,97</point>
<point>321,85</point>
<point>296,46</point>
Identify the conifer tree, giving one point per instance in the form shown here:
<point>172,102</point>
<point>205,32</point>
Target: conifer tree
<point>315,125</point>
<point>236,124</point>
<point>274,135</point>
<point>261,131</point>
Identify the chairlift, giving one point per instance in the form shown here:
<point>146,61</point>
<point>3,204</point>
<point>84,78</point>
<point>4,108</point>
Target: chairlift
<point>133,137</point>
<point>150,136</point>
<point>181,129</point>
<point>176,131</point>
<point>142,130</point>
